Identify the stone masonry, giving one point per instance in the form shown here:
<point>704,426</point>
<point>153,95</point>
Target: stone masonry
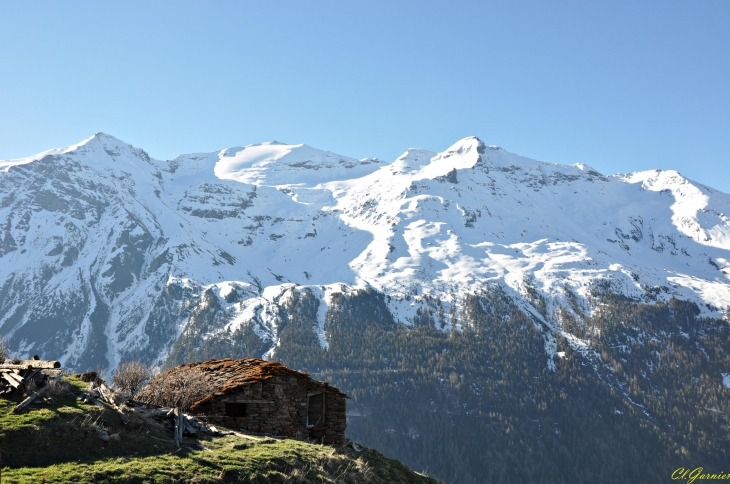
<point>270,398</point>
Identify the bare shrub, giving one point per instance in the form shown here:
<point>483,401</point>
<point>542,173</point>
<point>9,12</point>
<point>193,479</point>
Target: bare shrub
<point>129,376</point>
<point>177,388</point>
<point>4,350</point>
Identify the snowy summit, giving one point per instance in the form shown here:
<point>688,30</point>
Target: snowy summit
<point>106,252</point>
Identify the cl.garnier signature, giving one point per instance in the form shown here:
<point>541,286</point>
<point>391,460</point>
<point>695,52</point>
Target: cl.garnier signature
<point>690,475</point>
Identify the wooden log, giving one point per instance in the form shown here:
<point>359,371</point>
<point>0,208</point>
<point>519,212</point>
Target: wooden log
<point>30,364</point>
<point>103,394</point>
<point>52,372</point>
<point>14,384</point>
<point>30,399</point>
<point>14,379</point>
<point>152,412</point>
<point>179,426</point>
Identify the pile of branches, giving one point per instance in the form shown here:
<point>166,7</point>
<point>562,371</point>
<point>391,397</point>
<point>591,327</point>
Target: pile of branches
<point>35,377</point>
<point>178,393</point>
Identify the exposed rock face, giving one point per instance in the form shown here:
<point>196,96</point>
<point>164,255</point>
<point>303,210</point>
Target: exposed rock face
<point>107,254</point>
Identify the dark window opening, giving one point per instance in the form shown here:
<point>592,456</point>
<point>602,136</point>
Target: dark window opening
<point>315,410</point>
<point>235,409</point>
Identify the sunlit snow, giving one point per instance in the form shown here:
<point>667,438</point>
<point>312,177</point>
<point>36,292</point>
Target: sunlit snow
<point>271,218</point>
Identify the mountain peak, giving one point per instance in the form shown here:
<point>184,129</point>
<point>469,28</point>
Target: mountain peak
<point>465,153</point>
<point>102,139</point>
<point>466,145</point>
<point>94,145</point>
<point>659,180</point>
<point>115,149</point>
<point>412,160</point>
<point>273,163</point>
<point>106,137</point>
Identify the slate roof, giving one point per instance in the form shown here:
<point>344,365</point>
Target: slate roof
<point>229,374</point>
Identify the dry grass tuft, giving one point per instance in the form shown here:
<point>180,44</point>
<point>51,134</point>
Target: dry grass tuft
<point>58,386</point>
<point>331,466</point>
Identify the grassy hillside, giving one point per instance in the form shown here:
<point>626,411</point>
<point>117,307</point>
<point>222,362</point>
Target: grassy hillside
<point>59,441</point>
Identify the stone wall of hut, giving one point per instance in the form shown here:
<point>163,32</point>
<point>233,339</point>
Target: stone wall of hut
<point>279,406</point>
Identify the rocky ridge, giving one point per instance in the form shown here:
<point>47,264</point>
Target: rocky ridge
<point>108,254</point>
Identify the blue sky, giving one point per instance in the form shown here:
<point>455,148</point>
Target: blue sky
<point>621,86</point>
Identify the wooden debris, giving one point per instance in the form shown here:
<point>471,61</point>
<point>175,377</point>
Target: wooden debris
<point>25,364</point>
<point>30,398</point>
<point>29,376</point>
<point>13,378</point>
<point>180,423</point>
<point>33,377</point>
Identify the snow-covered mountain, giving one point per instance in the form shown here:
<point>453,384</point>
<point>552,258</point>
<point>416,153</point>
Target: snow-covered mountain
<point>107,254</point>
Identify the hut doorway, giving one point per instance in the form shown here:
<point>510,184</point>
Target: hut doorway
<point>315,410</point>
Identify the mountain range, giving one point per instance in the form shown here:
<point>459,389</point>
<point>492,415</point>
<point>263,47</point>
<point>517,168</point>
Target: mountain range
<point>96,237</point>
<point>107,254</point>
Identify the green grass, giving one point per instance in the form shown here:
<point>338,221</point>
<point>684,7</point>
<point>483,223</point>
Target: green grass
<point>57,443</point>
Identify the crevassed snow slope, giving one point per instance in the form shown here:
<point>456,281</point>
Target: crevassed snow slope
<point>106,253</point>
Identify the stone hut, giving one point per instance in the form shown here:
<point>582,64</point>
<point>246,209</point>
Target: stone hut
<point>268,397</point>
